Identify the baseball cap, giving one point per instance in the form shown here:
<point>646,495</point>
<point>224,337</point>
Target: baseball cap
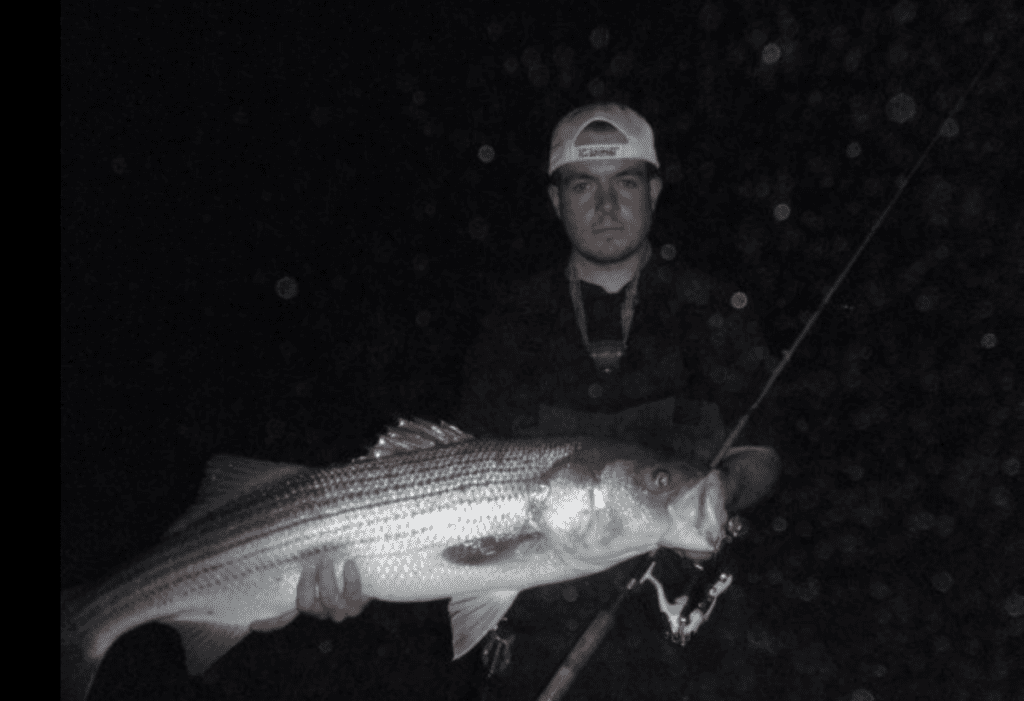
<point>637,132</point>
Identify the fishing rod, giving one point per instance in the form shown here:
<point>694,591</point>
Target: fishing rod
<point>683,628</point>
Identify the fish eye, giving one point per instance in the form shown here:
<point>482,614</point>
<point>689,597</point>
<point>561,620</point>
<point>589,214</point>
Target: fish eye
<point>660,479</point>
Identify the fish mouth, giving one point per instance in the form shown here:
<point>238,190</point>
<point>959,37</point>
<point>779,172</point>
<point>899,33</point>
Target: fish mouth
<point>698,519</point>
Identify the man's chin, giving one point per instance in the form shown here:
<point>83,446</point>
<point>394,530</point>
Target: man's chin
<point>610,256</point>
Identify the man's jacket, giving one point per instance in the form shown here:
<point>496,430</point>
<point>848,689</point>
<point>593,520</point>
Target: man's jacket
<point>694,363</point>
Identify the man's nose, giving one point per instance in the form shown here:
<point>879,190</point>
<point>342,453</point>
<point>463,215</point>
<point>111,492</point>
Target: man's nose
<point>606,199</point>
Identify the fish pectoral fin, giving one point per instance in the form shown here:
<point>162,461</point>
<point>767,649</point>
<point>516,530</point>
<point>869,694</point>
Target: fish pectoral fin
<point>205,643</point>
<point>490,549</point>
<point>473,616</point>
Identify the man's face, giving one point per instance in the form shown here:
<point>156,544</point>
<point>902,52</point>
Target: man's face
<point>606,207</point>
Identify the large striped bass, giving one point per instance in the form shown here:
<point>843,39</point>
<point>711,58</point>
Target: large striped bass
<point>430,513</point>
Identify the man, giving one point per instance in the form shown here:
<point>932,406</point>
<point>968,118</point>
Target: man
<point>620,340</point>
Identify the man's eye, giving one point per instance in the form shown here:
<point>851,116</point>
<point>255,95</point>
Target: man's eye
<point>631,183</point>
<point>579,187</point>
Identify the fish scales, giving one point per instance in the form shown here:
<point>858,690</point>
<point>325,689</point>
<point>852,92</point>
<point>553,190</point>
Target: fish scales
<point>355,500</point>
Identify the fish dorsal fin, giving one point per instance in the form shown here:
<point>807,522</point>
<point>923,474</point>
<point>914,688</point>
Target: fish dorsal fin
<point>472,616</point>
<point>229,477</point>
<point>417,434</point>
<point>205,643</point>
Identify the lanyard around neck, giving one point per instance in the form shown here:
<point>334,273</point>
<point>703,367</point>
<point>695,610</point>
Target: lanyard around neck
<point>607,354</point>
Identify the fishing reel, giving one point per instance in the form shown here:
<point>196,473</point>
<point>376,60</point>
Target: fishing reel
<point>688,612</point>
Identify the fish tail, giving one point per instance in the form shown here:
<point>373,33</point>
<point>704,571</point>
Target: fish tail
<point>77,666</point>
<point>77,671</point>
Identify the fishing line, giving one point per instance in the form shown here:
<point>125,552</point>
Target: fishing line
<point>602,623</point>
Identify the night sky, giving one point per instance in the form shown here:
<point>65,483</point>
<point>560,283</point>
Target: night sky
<point>282,225</point>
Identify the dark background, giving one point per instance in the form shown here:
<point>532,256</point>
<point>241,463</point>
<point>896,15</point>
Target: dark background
<point>210,150</point>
